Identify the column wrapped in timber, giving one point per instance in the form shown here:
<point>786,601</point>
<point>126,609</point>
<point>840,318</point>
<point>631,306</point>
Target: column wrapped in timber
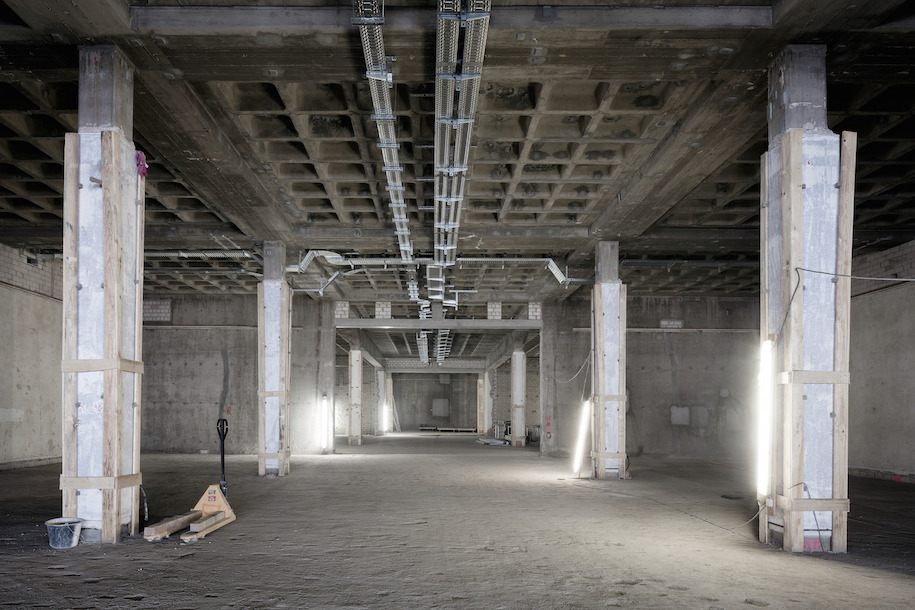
<point>104,206</point>
<point>806,234</point>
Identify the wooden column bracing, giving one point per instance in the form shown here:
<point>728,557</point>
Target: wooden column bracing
<point>608,398</point>
<point>806,230</point>
<point>274,329</point>
<point>104,204</point>
<point>102,332</point>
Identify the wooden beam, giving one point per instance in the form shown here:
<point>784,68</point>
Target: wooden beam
<point>842,335</point>
<point>111,236</point>
<point>162,529</point>
<point>792,334</point>
<point>70,292</point>
<point>208,521</point>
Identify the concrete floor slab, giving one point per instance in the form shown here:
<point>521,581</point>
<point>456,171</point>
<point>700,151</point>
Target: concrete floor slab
<point>438,521</point>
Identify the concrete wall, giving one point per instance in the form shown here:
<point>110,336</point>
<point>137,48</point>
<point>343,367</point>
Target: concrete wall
<point>881,426</point>
<point>310,322</point>
<point>715,352</point>
<point>30,377</point>
<point>692,390</point>
<point>414,393</point>
<point>202,365</point>
<point>565,346</point>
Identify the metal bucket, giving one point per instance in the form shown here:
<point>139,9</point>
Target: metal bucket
<point>63,533</point>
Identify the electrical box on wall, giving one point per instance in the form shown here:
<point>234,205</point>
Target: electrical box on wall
<point>441,407</point>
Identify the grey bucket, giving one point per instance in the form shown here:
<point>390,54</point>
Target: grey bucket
<point>63,533</point>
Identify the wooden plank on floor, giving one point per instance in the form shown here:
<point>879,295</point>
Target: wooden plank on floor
<point>171,525</point>
<point>193,536</point>
<point>205,522</point>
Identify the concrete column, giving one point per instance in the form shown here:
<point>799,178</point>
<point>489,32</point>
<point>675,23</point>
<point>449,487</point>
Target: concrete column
<point>609,365</point>
<point>354,421</point>
<point>104,184</point>
<point>389,401</point>
<point>481,404</point>
<point>485,401</point>
<point>519,378</point>
<point>806,231</point>
<point>382,408</point>
<point>274,328</point>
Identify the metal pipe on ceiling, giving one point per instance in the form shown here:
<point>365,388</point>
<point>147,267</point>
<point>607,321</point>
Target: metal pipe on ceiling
<point>205,254</point>
<point>395,264</point>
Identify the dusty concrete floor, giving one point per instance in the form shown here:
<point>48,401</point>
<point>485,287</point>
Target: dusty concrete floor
<point>437,521</point>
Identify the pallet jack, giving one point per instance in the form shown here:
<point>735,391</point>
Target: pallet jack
<point>210,513</point>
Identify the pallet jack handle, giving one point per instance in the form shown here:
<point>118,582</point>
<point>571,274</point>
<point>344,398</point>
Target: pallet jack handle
<point>222,428</point>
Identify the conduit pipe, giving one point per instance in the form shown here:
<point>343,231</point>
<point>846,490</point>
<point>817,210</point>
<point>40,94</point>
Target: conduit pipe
<point>205,254</point>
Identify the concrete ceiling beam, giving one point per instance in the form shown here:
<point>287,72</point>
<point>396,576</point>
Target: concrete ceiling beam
<point>228,21</point>
<point>447,324</point>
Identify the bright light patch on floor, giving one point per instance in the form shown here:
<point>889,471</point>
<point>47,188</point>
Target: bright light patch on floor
<point>764,424</point>
<point>582,431</point>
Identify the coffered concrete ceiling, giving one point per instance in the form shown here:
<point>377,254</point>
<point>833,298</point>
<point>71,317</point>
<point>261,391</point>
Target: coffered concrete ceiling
<point>640,121</point>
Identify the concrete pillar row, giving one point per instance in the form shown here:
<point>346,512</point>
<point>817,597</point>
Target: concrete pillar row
<point>608,400</point>
<point>354,416</point>
<point>104,184</point>
<point>484,402</point>
<point>274,329</point>
<point>381,406</point>
<point>519,383</point>
<point>806,230</point>
<point>391,418</point>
